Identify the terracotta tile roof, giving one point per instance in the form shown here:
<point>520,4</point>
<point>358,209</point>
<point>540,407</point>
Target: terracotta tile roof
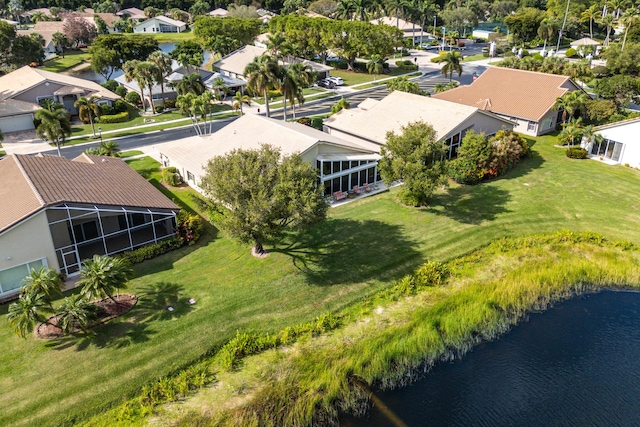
<point>31,183</point>
<point>49,26</point>
<point>516,93</point>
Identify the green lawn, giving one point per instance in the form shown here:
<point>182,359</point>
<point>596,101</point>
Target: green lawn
<point>353,78</point>
<point>361,248</point>
<point>169,37</point>
<point>474,57</point>
<point>71,59</point>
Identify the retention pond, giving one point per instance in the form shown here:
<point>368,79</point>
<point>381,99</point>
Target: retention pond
<point>576,364</point>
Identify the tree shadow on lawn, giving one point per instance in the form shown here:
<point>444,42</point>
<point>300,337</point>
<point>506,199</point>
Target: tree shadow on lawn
<point>153,305</point>
<point>342,251</point>
<point>470,204</point>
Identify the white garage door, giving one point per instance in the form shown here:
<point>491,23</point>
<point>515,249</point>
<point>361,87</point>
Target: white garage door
<point>16,123</point>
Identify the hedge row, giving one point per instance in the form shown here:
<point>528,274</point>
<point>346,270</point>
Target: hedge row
<point>115,118</point>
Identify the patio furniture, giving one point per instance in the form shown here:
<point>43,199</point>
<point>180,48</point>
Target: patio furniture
<point>356,189</point>
<point>339,195</point>
<point>366,187</point>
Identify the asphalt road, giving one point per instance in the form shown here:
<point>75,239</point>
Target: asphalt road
<point>311,108</point>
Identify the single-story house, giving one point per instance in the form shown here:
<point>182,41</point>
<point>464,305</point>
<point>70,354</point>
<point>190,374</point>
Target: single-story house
<point>233,64</point>
<point>160,24</point>
<point>208,77</point>
<point>619,143</point>
<point>409,29</point>
<point>49,46</point>
<point>220,12</point>
<point>585,41</point>
<point>32,85</point>
<point>133,13</point>
<point>10,22</point>
<point>369,123</point>
<point>525,97</point>
<point>341,164</point>
<point>53,26</point>
<point>59,212</point>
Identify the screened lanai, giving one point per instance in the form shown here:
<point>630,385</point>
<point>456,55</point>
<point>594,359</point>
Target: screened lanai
<point>343,172</point>
<point>81,231</point>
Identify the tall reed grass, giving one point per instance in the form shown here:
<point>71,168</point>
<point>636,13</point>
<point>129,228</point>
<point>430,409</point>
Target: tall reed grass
<point>396,336</point>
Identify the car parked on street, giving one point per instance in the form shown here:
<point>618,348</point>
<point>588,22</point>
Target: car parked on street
<point>326,83</point>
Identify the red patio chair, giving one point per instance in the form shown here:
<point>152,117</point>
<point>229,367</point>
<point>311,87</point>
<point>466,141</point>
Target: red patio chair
<point>356,189</point>
<point>366,187</point>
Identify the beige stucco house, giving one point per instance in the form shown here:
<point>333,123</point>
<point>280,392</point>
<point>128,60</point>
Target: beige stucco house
<point>524,97</point>
<point>341,164</point>
<point>58,212</point>
<point>369,123</point>
<point>22,90</point>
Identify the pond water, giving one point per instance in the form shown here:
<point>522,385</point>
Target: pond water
<point>89,74</point>
<point>577,364</point>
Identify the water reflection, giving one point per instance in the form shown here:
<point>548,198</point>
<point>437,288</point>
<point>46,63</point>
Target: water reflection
<point>574,365</point>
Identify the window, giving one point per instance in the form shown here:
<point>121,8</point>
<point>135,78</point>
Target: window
<point>531,127</point>
<point>326,168</point>
<point>345,165</point>
<point>190,177</point>
<point>11,278</point>
<point>336,167</point>
<point>547,123</point>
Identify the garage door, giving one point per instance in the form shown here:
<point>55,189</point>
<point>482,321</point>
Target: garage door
<point>16,123</point>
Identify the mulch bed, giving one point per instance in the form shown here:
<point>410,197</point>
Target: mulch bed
<point>107,310</point>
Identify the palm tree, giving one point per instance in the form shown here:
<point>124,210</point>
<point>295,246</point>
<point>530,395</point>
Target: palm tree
<point>220,87</point>
<point>427,11</point>
<point>616,6</point>
<point>54,126</point>
<point>343,104</point>
<point>361,7</point>
<point>146,74</point>
<point>262,74</point>
<point>29,310</point>
<point>608,22</point>
<point>129,69</point>
<point>88,110</point>
<point>590,15</point>
<point>629,17</point>
<point>188,61</point>
<point>375,65</point>
<point>345,10</point>
<point>400,8</point>
<point>591,136</point>
<point>75,312</point>
<point>275,42</point>
<point>570,103</point>
<point>452,62</point>
<point>240,99</point>
<point>164,64</point>
<point>44,281</point>
<point>571,132</point>
<point>102,275</point>
<point>191,83</point>
<point>186,103</point>
<point>289,86</point>
<point>38,16</point>
<point>107,148</point>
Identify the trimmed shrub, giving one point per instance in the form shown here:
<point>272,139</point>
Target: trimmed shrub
<point>159,108</point>
<point>571,52</point>
<point>316,122</point>
<point>171,177</point>
<point>151,251</point>
<point>111,85</point>
<point>304,121</point>
<point>190,227</point>
<point>465,171</point>
<point>576,153</point>
<point>132,98</point>
<point>170,103</point>
<point>120,106</point>
<point>121,91</point>
<point>360,66</point>
<point>339,65</point>
<point>115,118</point>
<point>406,65</point>
<point>106,109</point>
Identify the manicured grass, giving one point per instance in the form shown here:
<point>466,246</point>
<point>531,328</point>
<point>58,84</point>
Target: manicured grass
<point>130,153</point>
<point>362,248</point>
<point>136,121</point>
<point>71,59</point>
<point>169,37</point>
<point>353,78</point>
<point>475,57</point>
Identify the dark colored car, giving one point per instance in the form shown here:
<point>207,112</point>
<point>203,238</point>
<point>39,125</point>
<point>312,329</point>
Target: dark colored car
<point>326,84</point>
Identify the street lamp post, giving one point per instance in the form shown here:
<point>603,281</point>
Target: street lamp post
<point>100,134</point>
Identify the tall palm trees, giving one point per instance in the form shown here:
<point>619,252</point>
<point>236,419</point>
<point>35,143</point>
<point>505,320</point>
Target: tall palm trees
<point>571,103</point>
<point>191,83</point>
<point>262,74</point>
<point>88,110</point>
<point>219,86</point>
<point>608,22</point>
<point>146,74</point>
<point>54,126</point>
<point>591,14</point>
<point>129,69</point>
<point>452,62</point>
<point>289,86</point>
<point>629,17</point>
<point>164,64</point>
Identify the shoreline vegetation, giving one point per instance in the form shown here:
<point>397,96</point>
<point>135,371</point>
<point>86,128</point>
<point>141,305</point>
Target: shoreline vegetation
<point>309,374</point>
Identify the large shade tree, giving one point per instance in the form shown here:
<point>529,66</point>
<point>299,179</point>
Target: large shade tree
<point>54,126</point>
<point>260,194</point>
<point>415,157</point>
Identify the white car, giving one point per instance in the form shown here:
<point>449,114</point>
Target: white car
<point>337,80</point>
